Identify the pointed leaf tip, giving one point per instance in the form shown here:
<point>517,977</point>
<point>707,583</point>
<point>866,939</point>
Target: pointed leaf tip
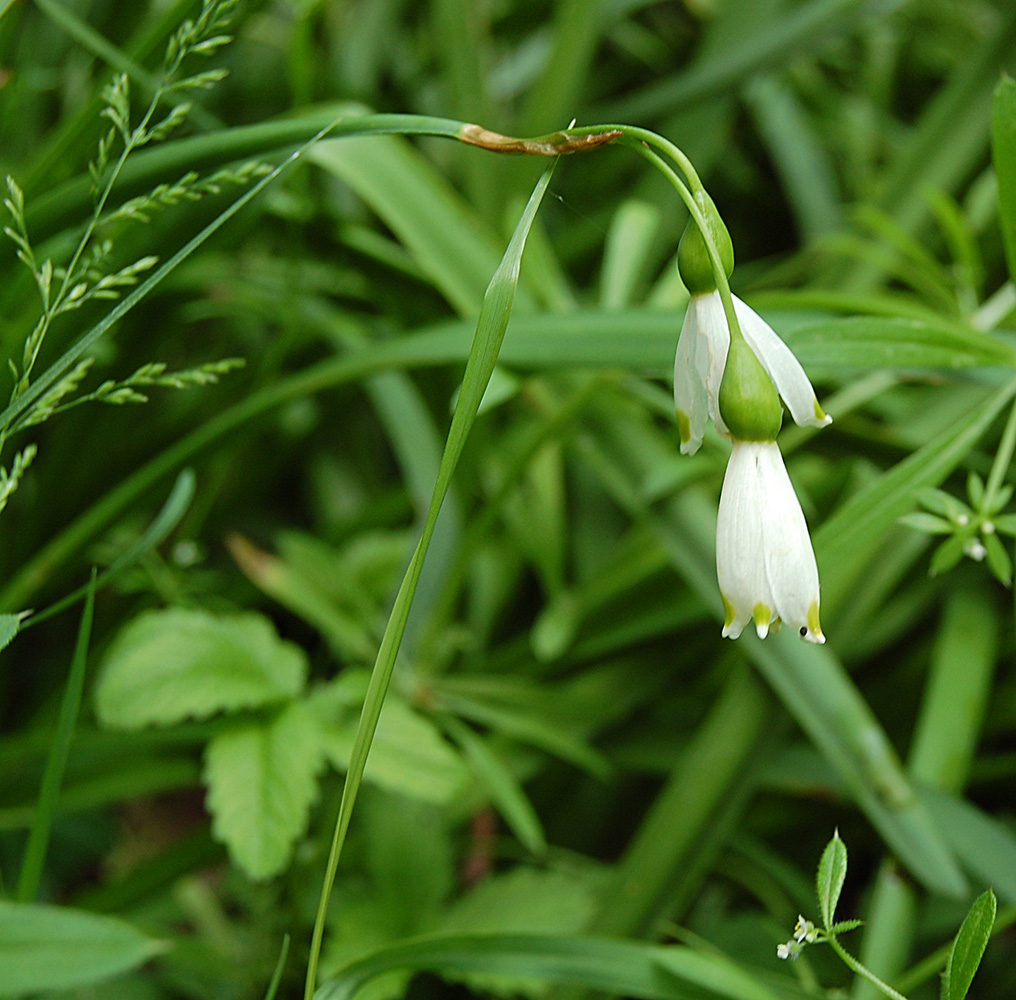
<point>832,872</point>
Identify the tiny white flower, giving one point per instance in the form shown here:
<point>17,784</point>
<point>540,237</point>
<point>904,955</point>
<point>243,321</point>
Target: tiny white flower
<point>702,355</point>
<point>784,951</point>
<point>765,564</point>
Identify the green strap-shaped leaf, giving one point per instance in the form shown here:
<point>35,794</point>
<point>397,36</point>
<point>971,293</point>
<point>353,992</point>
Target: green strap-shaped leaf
<point>617,967</point>
<point>56,948</point>
<point>1003,150</point>
<point>435,224</point>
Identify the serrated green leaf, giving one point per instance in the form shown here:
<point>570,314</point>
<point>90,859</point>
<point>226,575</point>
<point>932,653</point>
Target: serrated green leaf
<point>832,872</point>
<point>186,663</point>
<point>968,948</point>
<point>526,899</point>
<point>842,926</point>
<point>1003,152</point>
<point>261,778</point>
<point>409,755</point>
<point>57,948</point>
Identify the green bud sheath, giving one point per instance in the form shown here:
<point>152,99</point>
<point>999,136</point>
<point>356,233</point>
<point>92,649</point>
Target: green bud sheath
<point>692,256</point>
<point>749,403</point>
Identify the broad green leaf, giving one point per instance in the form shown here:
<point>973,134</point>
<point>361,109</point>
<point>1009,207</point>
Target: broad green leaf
<point>184,663</point>
<point>616,967</point>
<point>57,948</point>
<point>1003,150</point>
<point>832,871</point>
<point>262,779</point>
<point>968,948</point>
<point>409,755</point>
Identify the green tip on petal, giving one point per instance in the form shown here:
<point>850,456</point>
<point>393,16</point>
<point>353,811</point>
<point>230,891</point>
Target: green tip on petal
<point>813,630</point>
<point>683,426</point>
<point>763,618</point>
<point>728,613</point>
<point>693,260</point>
<point>821,416</point>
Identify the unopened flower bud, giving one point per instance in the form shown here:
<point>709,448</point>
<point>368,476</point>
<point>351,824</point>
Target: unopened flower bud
<point>749,403</point>
<point>693,259</point>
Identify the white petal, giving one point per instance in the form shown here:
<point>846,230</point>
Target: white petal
<point>714,340</point>
<point>740,533</point>
<point>783,367</point>
<point>689,383</point>
<point>790,569</point>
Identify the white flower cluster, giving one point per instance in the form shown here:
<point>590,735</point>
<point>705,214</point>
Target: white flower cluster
<point>804,933</point>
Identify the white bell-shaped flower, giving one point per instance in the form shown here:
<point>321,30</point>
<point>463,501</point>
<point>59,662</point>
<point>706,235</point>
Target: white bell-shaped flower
<point>702,355</point>
<point>765,564</point>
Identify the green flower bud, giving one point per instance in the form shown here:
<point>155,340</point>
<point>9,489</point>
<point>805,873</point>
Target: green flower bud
<point>748,400</point>
<point>692,256</point>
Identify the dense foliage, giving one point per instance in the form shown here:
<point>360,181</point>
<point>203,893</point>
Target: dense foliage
<point>235,347</point>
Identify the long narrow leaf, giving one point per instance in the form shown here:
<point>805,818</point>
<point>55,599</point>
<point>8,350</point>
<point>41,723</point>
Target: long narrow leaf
<point>490,330</point>
<point>56,763</point>
<point>626,968</point>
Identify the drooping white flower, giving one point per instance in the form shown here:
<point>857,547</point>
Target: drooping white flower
<point>765,564</point>
<point>702,356</point>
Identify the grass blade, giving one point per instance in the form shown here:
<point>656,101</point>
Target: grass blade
<point>177,504</point>
<point>38,838</point>
<point>626,968</point>
<point>490,330</point>
<point>1003,149</point>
